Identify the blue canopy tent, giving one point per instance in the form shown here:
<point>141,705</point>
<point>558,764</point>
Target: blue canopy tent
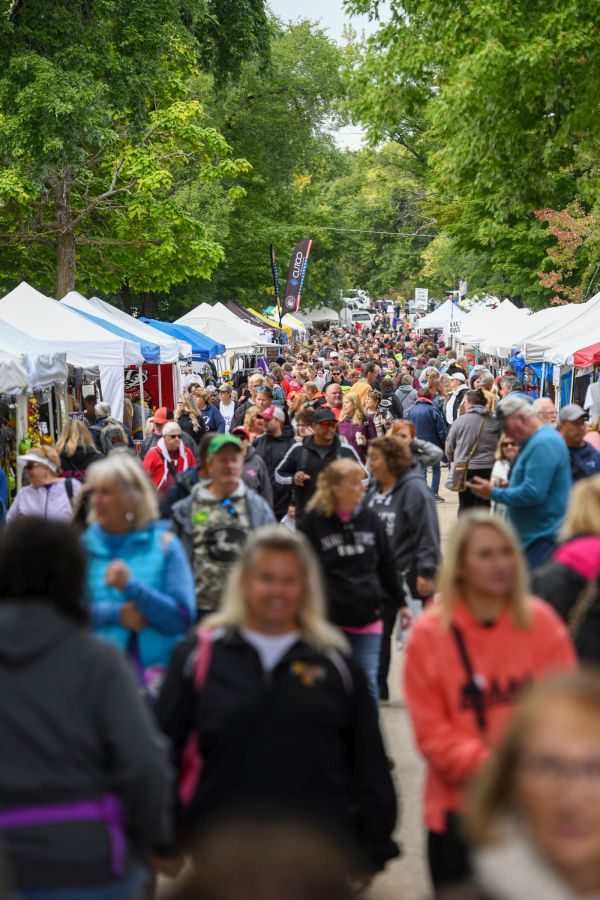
<point>203,347</point>
<point>150,351</point>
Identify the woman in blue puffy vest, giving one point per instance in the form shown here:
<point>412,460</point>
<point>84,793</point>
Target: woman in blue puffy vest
<point>140,584</point>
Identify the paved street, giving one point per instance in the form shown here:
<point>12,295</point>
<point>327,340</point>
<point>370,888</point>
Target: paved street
<point>407,878</point>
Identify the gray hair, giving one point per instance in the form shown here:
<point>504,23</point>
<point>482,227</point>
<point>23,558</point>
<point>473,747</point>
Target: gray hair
<point>485,377</point>
<point>127,474</point>
<point>516,406</point>
<point>170,427</point>
<point>102,410</point>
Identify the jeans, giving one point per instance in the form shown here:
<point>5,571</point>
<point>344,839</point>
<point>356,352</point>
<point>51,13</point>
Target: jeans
<point>366,648</point>
<point>133,887</point>
<point>436,474</point>
<point>538,552</point>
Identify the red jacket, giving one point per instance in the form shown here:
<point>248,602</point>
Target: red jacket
<point>505,658</point>
<point>154,464</point>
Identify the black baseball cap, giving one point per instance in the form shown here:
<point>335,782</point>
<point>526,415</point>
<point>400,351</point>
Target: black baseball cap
<point>324,414</point>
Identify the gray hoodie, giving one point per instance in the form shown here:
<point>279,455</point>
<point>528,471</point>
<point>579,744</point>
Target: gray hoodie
<point>463,435</point>
<point>73,727</point>
<point>407,397</point>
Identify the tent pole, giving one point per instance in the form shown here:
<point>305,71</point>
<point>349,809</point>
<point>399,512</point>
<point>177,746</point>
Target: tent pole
<point>542,379</point>
<point>51,414</point>
<point>160,403</point>
<point>142,404</point>
<point>572,384</point>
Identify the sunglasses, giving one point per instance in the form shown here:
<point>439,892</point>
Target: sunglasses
<point>31,466</point>
<point>508,444</point>
<point>176,436</point>
<point>327,424</point>
<point>263,387</point>
<point>228,505</point>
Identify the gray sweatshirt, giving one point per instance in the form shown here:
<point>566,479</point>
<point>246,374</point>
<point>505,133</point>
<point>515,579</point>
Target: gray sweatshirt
<point>463,434</point>
<point>73,727</point>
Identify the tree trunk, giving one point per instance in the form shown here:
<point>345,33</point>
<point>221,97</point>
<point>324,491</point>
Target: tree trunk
<point>66,265</point>
<point>149,300</point>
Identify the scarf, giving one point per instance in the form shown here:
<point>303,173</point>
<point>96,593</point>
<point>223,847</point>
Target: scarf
<point>167,461</point>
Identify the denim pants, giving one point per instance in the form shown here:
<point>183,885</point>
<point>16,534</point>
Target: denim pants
<point>366,648</point>
<point>436,474</point>
<point>539,551</point>
<point>133,887</point>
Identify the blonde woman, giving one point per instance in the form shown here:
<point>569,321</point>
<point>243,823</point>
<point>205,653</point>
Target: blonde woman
<point>140,583</point>
<point>254,423</point>
<point>358,564</point>
<point>569,579</point>
<point>280,710</point>
<point>468,659</point>
<point>533,816</point>
<point>357,427</point>
<point>48,495</point>
<point>77,449</point>
<point>187,415</point>
<point>592,435</point>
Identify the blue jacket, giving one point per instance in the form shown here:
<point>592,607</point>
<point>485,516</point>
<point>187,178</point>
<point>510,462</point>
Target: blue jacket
<point>585,461</point>
<point>213,419</point>
<point>428,421</point>
<point>161,586</point>
<point>540,484</point>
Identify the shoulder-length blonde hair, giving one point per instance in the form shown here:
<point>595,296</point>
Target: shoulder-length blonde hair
<point>74,434</point>
<point>312,624</point>
<point>188,401</point>
<point>358,416</point>
<point>127,474</point>
<point>451,587</point>
<point>583,514</point>
<point>493,798</point>
<point>332,476</point>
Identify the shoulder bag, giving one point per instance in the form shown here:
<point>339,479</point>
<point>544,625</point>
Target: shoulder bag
<point>457,474</point>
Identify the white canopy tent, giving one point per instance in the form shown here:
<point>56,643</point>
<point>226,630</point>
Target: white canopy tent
<point>44,369</point>
<point>13,374</point>
<point>482,324</point>
<point>60,329</point>
<point>582,327</point>
<point>236,340</point>
<point>170,348</point>
<point>218,312</point>
<point>323,315</point>
<point>512,335</point>
<point>447,315</point>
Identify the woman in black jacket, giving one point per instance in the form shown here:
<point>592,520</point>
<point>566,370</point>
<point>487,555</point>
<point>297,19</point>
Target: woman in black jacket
<point>77,449</point>
<point>407,508</point>
<point>188,417</point>
<point>570,580</point>
<point>357,561</point>
<point>279,709</point>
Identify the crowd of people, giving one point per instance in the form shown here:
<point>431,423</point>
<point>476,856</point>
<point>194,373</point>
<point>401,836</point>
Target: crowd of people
<point>196,634</point>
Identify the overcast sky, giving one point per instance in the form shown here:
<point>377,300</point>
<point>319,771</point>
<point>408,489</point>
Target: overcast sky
<point>330,13</point>
<point>331,16</point>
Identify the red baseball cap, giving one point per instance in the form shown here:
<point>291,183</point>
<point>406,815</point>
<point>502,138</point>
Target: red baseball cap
<point>161,415</point>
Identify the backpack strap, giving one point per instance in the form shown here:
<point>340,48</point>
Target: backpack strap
<point>69,490</point>
<point>474,690</point>
<point>203,658</point>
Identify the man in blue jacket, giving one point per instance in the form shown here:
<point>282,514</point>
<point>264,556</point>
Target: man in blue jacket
<point>430,425</point>
<point>585,459</point>
<point>540,482</point>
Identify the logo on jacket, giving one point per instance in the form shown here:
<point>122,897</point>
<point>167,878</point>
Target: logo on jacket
<point>308,675</point>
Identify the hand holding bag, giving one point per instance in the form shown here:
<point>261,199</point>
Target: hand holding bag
<point>457,474</point>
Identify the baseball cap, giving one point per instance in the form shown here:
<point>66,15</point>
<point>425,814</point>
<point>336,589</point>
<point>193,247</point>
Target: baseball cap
<point>272,412</point>
<point>572,412</point>
<point>222,440</point>
<point>324,414</point>
<point>458,376</point>
<point>161,415</point>
<point>241,431</point>
<point>334,354</point>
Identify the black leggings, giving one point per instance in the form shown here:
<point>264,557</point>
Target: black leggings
<point>448,854</point>
<point>468,500</point>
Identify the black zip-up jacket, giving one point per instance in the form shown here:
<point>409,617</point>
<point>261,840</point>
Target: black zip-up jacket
<point>301,740</point>
<point>273,449</point>
<point>358,565</point>
<point>307,457</point>
<point>409,514</point>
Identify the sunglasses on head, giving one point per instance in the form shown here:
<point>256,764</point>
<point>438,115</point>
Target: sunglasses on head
<point>263,387</point>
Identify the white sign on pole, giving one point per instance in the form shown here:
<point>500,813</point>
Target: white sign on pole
<point>421,298</point>
<point>556,376</point>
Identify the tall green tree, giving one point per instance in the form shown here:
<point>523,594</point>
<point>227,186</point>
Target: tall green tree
<point>99,132</point>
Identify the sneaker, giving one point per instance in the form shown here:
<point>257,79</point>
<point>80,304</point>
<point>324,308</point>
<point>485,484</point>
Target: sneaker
<point>439,499</point>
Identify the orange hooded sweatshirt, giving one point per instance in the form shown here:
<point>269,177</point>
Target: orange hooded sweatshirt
<point>504,659</point>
